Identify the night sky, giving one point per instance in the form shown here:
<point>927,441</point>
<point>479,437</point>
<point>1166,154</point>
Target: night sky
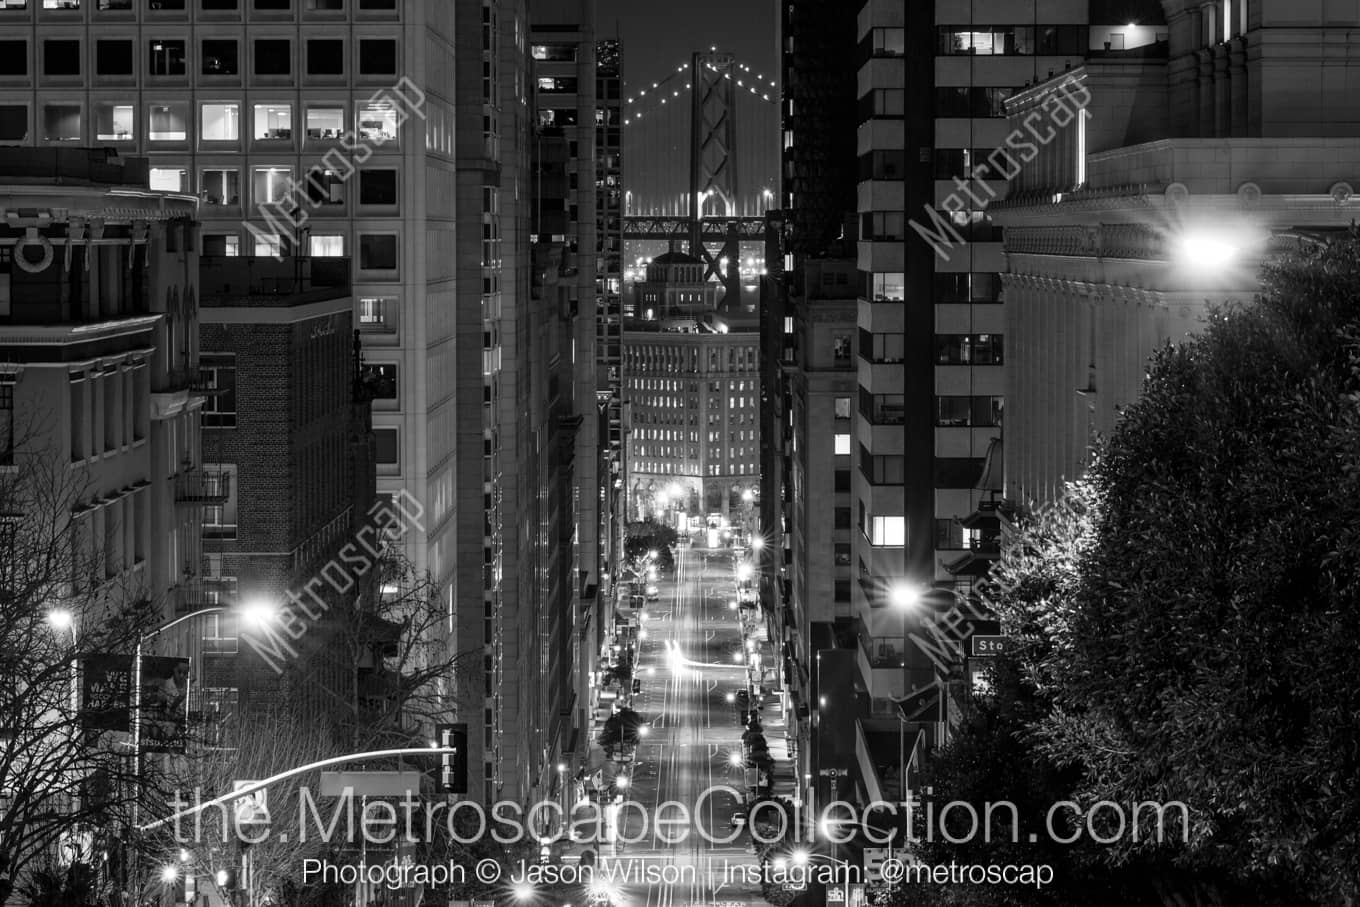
<point>659,35</point>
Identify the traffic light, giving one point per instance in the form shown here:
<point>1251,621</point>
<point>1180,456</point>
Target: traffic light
<point>453,769</point>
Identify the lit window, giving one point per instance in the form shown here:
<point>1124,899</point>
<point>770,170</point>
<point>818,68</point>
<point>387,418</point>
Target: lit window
<point>327,246</point>
<point>271,184</point>
<point>268,244</point>
<point>273,122</point>
<point>842,448</point>
<point>168,179</point>
<point>890,531</point>
<point>377,122</point>
<point>113,122</point>
<point>220,187</point>
<point>325,122</point>
<point>168,122</point>
<point>221,122</point>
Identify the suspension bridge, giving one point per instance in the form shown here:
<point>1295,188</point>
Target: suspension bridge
<point>701,160</point>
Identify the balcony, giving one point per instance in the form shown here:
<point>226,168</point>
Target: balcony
<point>203,486</point>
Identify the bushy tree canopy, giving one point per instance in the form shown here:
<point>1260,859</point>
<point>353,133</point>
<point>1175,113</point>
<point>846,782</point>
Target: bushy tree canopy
<point>1184,626</point>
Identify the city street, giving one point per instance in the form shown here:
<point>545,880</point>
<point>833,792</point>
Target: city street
<point>688,667</point>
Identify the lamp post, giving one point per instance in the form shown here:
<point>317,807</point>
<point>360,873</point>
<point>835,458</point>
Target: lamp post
<point>803,857</point>
<point>905,597</point>
<point>255,612</point>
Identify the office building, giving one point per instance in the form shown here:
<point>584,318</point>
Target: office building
<point>808,331</point>
<point>609,295</point>
<point>558,620</point>
<point>393,133</point>
<point>691,389</point>
<point>1200,156</point>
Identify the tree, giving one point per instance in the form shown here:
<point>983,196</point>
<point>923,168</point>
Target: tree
<point>67,783</point>
<point>268,742</point>
<point>642,538</point>
<point>1212,642</point>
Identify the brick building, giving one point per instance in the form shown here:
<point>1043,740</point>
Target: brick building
<point>287,428</point>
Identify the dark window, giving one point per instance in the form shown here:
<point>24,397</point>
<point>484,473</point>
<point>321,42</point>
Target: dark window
<point>957,472</point>
<point>842,480</point>
<point>113,58</point>
<point>61,58</point>
<point>13,58</point>
<point>167,4</point>
<point>165,58</point>
<point>219,5</point>
<point>377,4</point>
<point>969,349</point>
<point>381,379</point>
<point>377,251</point>
<point>377,57</point>
<point>974,287</point>
<point>13,123</point>
<point>386,445</point>
<point>273,57</point>
<point>842,518</point>
<point>842,590</point>
<point>326,5</point>
<point>272,5</point>
<point>378,187</point>
<point>842,554</point>
<point>220,57</point>
<point>325,187</point>
<point>219,374</point>
<point>325,58</point>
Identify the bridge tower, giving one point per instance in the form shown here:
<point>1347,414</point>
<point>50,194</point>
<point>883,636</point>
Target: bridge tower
<point>713,161</point>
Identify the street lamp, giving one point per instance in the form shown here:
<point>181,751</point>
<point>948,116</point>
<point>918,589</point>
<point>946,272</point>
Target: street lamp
<point>255,612</point>
<point>802,857</point>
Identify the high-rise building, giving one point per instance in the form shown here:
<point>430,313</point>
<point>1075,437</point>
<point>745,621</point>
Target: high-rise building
<point>99,363</point>
<point>808,367</point>
<point>609,296</point>
<point>394,133</point>
<point>558,616</point>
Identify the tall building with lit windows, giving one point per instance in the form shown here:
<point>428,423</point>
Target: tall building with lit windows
<point>393,133</point>
<point>928,95</point>
<point>692,390</point>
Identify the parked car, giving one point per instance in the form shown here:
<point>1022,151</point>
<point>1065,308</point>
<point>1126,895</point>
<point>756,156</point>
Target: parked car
<point>653,593</point>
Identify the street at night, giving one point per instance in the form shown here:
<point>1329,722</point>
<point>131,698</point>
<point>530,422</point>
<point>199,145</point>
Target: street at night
<point>625,453</point>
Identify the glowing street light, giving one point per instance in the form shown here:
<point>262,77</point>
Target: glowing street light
<point>735,760</point>
<point>169,874</point>
<point>1206,251</point>
<point>61,619</point>
<point>904,596</point>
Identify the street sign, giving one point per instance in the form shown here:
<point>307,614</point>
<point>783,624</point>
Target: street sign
<point>370,784</point>
<point>873,863</point>
<point>835,895</point>
<point>987,646</point>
